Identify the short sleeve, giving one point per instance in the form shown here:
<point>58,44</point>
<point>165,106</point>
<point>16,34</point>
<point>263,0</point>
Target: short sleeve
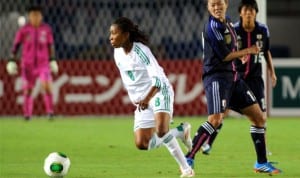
<point>148,59</point>
<point>267,40</point>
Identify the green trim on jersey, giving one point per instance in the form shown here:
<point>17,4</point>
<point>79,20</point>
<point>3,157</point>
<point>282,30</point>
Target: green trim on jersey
<point>130,75</point>
<point>157,82</point>
<point>141,54</point>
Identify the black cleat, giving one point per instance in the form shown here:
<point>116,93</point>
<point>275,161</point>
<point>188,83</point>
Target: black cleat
<point>50,116</point>
<point>27,118</point>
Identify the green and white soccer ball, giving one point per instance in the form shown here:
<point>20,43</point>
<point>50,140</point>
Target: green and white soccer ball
<point>57,165</point>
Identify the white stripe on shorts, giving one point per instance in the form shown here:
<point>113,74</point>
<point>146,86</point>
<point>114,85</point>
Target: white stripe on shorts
<point>216,97</point>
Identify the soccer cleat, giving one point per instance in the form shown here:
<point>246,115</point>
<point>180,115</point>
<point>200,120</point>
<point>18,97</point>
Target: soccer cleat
<point>50,116</point>
<point>27,118</point>
<point>187,173</point>
<point>269,153</point>
<point>206,149</point>
<point>190,162</point>
<point>266,168</point>
<point>186,138</point>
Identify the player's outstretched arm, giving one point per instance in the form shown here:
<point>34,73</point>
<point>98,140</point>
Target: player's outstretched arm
<point>11,66</point>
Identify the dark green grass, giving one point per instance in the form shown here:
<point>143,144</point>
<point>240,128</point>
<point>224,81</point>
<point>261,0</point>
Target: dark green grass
<point>104,148</point>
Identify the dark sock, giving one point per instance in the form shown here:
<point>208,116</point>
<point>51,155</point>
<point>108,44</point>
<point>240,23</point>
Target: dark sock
<point>204,131</point>
<point>213,136</point>
<point>258,137</point>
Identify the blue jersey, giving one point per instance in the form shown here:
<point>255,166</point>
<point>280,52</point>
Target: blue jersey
<point>259,36</point>
<point>219,39</point>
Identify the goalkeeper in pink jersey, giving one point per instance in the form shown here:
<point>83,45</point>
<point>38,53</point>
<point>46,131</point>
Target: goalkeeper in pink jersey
<point>37,60</point>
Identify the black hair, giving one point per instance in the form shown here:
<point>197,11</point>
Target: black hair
<point>250,3</point>
<point>226,1</point>
<point>135,35</point>
<point>35,8</point>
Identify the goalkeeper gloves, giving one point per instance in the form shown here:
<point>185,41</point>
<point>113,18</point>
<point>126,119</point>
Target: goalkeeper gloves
<point>54,66</point>
<point>12,68</point>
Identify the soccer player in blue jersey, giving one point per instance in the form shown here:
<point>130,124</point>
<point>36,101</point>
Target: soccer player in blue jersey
<point>223,87</point>
<point>250,32</point>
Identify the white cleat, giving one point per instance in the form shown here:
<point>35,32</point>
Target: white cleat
<point>206,149</point>
<point>186,139</point>
<point>269,153</point>
<point>187,173</point>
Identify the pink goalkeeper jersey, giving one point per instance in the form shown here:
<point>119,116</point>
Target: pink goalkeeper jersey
<point>35,45</point>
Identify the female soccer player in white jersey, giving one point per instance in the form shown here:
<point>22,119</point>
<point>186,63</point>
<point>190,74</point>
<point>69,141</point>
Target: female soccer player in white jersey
<point>149,89</point>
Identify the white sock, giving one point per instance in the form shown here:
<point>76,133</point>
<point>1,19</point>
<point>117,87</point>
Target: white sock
<point>154,142</point>
<point>172,145</point>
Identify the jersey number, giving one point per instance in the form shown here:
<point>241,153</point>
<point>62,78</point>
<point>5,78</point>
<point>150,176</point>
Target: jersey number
<point>258,57</point>
<point>157,102</point>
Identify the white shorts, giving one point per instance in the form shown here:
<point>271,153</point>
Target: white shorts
<point>162,101</point>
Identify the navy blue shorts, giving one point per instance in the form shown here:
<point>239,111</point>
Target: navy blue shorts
<point>257,86</point>
<point>241,97</point>
<point>222,94</point>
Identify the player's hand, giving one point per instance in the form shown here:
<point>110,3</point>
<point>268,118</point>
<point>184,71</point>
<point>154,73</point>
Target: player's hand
<point>143,104</point>
<point>274,80</point>
<point>244,59</point>
<point>253,50</point>
<point>54,66</point>
<point>12,68</point>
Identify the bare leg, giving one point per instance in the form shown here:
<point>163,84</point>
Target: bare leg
<point>48,98</point>
<point>162,128</point>
<point>142,137</point>
<point>27,103</point>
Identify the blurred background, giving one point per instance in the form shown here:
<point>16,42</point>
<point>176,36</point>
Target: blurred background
<point>88,82</point>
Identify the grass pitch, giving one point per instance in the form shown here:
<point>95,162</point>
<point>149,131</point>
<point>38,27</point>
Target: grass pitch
<point>104,148</point>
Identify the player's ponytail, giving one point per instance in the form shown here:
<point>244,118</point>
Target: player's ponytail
<point>135,34</point>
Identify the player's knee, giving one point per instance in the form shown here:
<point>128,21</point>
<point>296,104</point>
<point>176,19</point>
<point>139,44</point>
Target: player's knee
<point>263,121</point>
<point>161,132</point>
<point>215,120</point>
<point>27,92</point>
<point>162,129</point>
<point>141,145</point>
<point>48,91</point>
<point>259,120</point>
<point>47,88</point>
<point>264,118</point>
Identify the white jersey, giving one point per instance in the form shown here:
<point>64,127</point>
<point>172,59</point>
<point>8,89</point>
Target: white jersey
<point>139,71</point>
